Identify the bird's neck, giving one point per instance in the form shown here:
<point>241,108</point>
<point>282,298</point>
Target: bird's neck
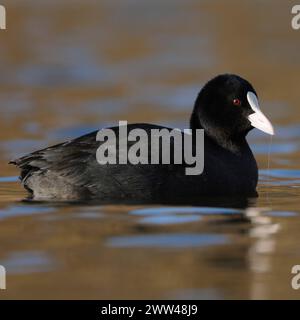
<point>222,137</point>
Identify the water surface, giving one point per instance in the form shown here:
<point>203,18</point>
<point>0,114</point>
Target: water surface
<point>69,67</point>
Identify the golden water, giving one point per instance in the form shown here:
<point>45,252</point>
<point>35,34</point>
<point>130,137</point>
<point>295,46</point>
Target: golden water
<point>68,67</point>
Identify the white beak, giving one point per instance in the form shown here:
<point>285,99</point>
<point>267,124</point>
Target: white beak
<point>258,119</point>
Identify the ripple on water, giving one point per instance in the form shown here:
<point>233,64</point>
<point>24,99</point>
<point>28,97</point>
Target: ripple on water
<point>281,173</point>
<point>281,214</point>
<point>184,210</point>
<point>196,294</point>
<point>284,177</point>
<point>169,219</point>
<point>27,262</point>
<point>275,148</point>
<point>23,210</point>
<point>177,215</point>
<point>9,179</point>
<point>19,147</point>
<point>179,240</point>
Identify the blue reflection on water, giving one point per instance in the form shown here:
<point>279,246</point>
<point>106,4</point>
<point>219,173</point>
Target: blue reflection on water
<point>184,210</point>
<point>197,294</point>
<point>23,210</point>
<point>281,214</point>
<point>284,147</point>
<point>27,262</point>
<point>280,173</point>
<point>170,219</point>
<point>9,179</point>
<point>180,240</point>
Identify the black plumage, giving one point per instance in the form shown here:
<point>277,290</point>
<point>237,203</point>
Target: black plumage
<point>70,171</point>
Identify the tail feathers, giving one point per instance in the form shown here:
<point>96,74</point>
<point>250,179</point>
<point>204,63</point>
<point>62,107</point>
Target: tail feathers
<point>60,169</point>
<point>28,164</point>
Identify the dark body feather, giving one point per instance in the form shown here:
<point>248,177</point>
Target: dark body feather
<point>70,171</point>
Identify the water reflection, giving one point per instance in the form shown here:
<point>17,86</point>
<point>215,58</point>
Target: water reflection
<point>184,210</point>
<point>170,219</point>
<point>23,210</point>
<point>61,78</point>
<point>167,241</point>
<point>259,254</point>
<point>224,243</point>
<point>27,262</point>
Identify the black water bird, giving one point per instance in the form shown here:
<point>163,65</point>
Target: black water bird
<point>226,108</point>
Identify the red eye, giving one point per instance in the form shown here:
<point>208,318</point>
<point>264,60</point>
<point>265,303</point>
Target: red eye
<point>237,102</point>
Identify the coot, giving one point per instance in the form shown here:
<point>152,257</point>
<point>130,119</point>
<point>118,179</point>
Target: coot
<point>226,109</point>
